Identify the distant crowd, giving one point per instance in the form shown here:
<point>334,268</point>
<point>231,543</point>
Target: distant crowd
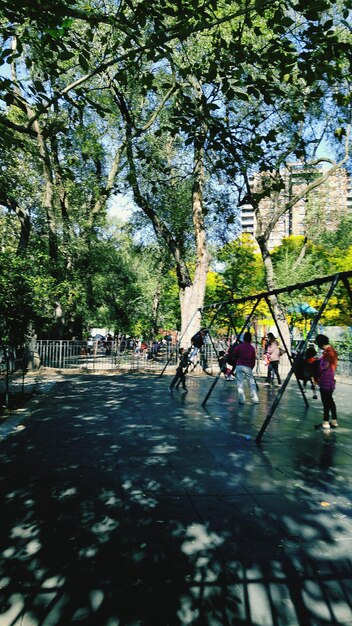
<point>126,343</point>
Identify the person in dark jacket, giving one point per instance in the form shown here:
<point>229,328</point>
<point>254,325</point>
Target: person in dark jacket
<point>326,381</point>
<point>307,367</point>
<point>180,376</point>
<point>197,342</point>
<point>227,371</point>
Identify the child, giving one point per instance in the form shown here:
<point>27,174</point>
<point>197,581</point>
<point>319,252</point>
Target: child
<point>227,371</point>
<point>326,381</point>
<point>306,368</point>
<point>180,376</point>
<point>310,369</point>
<point>273,354</point>
<point>197,342</point>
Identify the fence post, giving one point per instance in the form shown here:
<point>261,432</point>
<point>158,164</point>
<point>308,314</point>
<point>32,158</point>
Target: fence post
<point>60,354</point>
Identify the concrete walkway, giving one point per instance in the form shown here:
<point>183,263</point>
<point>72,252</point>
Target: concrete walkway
<point>123,505</point>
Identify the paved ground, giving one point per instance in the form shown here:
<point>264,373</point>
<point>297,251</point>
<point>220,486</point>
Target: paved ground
<point>122,506</point>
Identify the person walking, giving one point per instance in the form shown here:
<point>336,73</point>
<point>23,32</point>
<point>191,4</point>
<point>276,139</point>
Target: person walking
<point>180,376</point>
<point>244,357</point>
<point>273,354</point>
<point>326,381</point>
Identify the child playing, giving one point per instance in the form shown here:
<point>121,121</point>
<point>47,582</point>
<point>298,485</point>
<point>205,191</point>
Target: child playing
<point>197,342</point>
<point>180,376</point>
<point>310,368</point>
<point>227,371</point>
<point>273,354</point>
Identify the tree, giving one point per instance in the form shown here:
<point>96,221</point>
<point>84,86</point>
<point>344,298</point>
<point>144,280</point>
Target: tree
<point>239,272</point>
<point>223,84</point>
<point>128,281</point>
<point>329,255</point>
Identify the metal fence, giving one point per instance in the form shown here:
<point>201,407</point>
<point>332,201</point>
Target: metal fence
<point>78,356</point>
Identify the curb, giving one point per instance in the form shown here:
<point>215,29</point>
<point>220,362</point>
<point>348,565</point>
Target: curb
<point>13,423</point>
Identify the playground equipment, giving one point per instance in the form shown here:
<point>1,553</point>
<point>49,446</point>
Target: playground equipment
<point>331,281</point>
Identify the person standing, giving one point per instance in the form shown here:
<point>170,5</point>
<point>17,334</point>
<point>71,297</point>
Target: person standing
<point>326,381</point>
<point>272,352</point>
<point>244,357</point>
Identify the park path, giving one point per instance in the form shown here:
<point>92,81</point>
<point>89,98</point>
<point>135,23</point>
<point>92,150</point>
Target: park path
<point>124,505</point>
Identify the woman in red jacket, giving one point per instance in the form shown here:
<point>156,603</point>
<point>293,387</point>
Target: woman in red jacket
<point>244,356</point>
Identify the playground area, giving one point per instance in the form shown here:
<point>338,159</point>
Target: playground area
<point>125,504</point>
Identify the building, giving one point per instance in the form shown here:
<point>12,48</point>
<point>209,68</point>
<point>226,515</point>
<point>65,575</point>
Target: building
<point>322,209</point>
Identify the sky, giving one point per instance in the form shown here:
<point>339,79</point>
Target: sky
<point>121,205</point>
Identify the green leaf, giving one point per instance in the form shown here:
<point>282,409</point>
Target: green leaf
<point>9,98</point>
<point>83,62</point>
<point>241,95</point>
<point>65,55</point>
<point>6,53</point>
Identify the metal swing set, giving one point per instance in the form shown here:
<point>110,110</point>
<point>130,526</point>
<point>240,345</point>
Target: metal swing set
<point>331,281</point>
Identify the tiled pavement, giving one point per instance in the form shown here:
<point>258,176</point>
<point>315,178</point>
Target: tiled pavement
<point>123,505</point>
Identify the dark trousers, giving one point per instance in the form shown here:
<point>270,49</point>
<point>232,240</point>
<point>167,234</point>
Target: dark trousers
<point>328,404</point>
<point>179,376</point>
<point>273,370</point>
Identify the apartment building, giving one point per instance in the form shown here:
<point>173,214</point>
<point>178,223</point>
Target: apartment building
<point>321,209</point>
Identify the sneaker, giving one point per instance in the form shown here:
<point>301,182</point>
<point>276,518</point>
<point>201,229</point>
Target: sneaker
<point>315,397</point>
<point>255,401</point>
<point>184,388</point>
<point>333,424</point>
<point>278,385</point>
<point>323,426</point>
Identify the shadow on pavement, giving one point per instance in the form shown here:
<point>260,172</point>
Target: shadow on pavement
<point>124,505</point>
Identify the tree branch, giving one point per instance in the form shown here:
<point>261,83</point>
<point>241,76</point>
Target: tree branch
<point>165,37</point>
<point>159,226</point>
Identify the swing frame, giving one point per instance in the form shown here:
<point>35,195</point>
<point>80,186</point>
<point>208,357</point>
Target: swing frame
<point>333,279</point>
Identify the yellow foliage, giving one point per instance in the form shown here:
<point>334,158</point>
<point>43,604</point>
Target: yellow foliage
<point>344,263</point>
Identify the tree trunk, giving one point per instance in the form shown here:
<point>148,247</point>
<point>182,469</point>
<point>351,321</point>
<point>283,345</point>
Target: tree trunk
<point>192,296</point>
<point>191,302</point>
<point>25,223</point>
<point>46,162</point>
<point>191,291</point>
<point>278,310</point>
<point>156,304</point>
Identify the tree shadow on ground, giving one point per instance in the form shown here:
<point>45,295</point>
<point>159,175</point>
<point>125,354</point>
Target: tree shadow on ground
<point>114,515</point>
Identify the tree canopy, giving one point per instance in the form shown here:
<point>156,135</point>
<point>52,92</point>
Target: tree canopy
<point>176,103</point>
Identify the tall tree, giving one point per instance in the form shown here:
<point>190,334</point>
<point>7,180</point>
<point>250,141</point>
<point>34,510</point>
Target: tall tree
<point>241,88</point>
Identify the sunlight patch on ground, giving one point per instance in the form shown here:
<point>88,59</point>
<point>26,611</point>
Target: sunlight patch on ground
<point>198,538</point>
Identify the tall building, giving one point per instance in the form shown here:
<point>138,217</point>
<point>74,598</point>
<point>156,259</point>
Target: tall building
<point>349,196</point>
<point>322,209</point>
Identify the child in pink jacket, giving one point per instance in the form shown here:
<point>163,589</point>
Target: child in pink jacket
<point>272,351</point>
